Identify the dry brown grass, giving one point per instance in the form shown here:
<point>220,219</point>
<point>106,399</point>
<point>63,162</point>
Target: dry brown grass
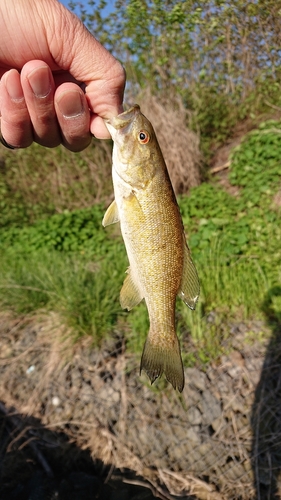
<point>29,434</point>
<point>179,144</point>
<point>104,409</point>
<point>58,178</point>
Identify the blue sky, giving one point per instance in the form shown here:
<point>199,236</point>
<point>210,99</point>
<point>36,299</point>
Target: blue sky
<point>109,6</point>
<point>107,10</point>
<point>66,2</point>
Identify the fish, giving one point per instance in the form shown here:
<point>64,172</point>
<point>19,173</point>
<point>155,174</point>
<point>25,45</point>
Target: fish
<point>160,263</point>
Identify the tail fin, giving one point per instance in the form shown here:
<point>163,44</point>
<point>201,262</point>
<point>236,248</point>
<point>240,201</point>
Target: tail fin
<point>158,359</point>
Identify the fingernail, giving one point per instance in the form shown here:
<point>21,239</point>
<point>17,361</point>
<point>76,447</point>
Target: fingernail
<point>13,85</point>
<point>70,104</point>
<point>40,81</point>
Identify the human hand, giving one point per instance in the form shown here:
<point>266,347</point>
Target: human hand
<point>45,54</point>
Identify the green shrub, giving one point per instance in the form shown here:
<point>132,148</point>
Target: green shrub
<point>256,163</point>
<point>246,225</point>
<point>77,231</point>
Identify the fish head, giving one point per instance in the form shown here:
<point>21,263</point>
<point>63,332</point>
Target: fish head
<point>135,144</point>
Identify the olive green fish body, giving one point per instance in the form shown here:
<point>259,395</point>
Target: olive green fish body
<point>160,264</point>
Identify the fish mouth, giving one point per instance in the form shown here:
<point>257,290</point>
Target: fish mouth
<point>123,120</point>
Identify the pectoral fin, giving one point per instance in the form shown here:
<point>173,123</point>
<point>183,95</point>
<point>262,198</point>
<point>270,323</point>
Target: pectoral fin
<point>190,287</point>
<point>130,294</point>
<point>111,215</point>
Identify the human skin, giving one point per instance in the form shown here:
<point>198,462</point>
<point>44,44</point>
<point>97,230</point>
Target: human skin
<point>58,82</point>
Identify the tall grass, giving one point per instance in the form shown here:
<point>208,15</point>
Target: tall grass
<point>232,290</point>
<point>38,182</point>
<point>236,282</point>
<point>83,291</point>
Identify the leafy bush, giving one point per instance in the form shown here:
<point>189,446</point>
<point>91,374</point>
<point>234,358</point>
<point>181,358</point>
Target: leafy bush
<point>255,164</point>
<point>68,263</point>
<point>248,224</point>
<point>76,231</point>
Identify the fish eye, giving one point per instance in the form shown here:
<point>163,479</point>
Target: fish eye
<point>143,137</point>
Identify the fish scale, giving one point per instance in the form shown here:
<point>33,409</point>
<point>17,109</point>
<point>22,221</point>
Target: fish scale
<point>160,262</point>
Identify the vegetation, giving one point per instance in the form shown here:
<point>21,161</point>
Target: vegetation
<point>31,189</point>
<point>222,57</point>
<point>221,60</point>
<point>83,291</point>
<point>69,263</point>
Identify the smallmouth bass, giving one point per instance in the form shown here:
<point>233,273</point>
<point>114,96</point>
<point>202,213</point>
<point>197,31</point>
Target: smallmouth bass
<point>161,267</point>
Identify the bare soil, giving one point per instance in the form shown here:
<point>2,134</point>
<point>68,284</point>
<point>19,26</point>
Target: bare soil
<point>77,422</point>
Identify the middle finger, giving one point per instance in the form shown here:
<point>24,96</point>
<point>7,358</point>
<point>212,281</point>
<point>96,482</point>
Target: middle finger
<point>39,88</point>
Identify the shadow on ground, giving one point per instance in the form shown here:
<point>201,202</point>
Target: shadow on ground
<point>39,464</point>
<point>266,412</point>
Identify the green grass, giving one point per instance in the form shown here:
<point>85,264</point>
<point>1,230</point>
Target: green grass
<point>232,282</point>
<point>84,291</point>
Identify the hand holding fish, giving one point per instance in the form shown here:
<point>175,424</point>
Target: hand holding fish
<point>161,267</point>
<point>46,56</point>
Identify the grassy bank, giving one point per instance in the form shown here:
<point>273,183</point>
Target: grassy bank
<point>70,264</point>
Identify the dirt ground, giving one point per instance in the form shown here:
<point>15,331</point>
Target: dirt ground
<point>49,441</point>
<point>79,423</point>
